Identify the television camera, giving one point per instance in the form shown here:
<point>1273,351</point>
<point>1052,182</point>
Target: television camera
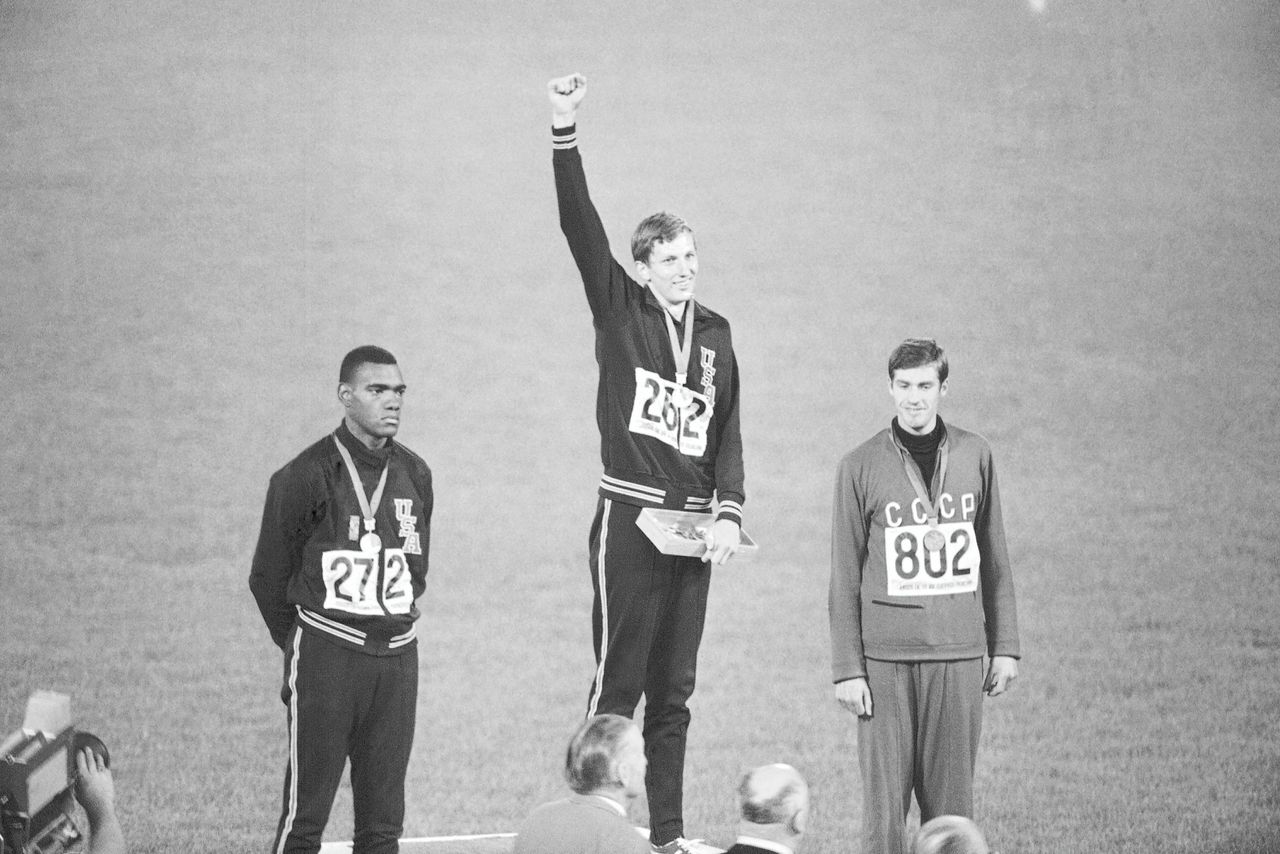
<point>37,775</point>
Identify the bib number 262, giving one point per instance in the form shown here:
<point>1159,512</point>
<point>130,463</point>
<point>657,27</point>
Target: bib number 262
<point>654,413</point>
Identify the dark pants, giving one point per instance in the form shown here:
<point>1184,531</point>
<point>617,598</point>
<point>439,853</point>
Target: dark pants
<point>646,623</point>
<point>922,738</point>
<point>345,704</point>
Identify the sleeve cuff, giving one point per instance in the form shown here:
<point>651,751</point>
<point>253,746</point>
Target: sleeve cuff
<point>852,672</point>
<point>562,138</point>
<point>729,509</point>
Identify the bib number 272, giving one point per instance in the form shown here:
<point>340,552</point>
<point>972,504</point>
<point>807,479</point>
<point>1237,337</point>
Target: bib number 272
<point>366,583</point>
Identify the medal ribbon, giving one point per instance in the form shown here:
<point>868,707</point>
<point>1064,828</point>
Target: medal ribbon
<point>681,352</point>
<point>367,506</point>
<point>917,483</point>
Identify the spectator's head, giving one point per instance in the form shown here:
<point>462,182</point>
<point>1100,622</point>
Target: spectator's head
<point>606,757</point>
<point>950,834</point>
<point>774,804</point>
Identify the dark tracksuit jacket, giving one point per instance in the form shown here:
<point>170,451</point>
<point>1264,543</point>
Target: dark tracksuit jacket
<point>312,510</point>
<point>648,469</point>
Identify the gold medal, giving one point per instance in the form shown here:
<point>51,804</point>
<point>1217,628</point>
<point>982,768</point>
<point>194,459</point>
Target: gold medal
<point>371,543</point>
<point>680,351</point>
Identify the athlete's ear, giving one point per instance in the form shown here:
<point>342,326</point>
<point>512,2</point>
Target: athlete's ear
<point>642,272</point>
<point>344,394</point>
<point>942,389</point>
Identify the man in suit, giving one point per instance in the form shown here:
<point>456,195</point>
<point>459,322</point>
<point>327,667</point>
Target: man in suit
<point>604,767</point>
<point>774,808</point>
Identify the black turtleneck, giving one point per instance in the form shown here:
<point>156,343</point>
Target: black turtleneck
<point>923,449</point>
<point>369,461</point>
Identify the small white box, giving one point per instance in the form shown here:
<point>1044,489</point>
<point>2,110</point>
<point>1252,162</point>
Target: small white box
<point>677,532</point>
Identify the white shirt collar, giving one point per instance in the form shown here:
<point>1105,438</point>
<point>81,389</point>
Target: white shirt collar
<point>757,842</point>
<point>622,811</point>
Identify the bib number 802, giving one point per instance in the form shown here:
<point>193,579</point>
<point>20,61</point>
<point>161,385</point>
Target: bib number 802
<point>914,570</point>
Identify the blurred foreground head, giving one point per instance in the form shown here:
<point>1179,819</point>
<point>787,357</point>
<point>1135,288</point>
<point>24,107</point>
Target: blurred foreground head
<point>774,803</point>
<point>950,834</point>
<point>606,757</point>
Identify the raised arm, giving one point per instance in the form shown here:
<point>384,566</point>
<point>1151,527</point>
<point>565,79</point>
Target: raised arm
<point>606,282</point>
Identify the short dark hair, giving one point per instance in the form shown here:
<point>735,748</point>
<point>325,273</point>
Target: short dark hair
<point>661,227</point>
<point>368,354</point>
<point>591,762</point>
<point>917,353</point>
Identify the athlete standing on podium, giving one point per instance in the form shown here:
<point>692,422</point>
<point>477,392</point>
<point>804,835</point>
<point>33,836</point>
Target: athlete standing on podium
<point>921,589</point>
<point>341,560</point>
<point>667,411</point>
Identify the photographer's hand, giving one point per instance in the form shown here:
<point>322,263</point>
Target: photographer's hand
<point>96,792</point>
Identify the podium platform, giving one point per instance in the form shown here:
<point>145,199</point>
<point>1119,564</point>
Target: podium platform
<point>475,843</point>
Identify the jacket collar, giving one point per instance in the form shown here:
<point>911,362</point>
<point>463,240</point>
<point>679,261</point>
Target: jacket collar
<point>359,452</point>
<point>651,300</point>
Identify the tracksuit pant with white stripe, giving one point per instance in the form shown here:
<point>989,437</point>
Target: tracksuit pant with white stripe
<point>647,621</point>
<point>343,703</point>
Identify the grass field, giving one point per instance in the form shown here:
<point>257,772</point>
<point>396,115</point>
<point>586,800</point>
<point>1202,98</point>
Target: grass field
<point>202,206</point>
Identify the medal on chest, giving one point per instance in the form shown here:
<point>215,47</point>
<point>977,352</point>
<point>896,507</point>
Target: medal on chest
<point>370,542</point>
<point>923,555</point>
<point>934,539</point>
<point>680,351</point>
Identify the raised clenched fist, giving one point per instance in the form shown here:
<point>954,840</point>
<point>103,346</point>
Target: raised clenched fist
<point>566,93</point>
